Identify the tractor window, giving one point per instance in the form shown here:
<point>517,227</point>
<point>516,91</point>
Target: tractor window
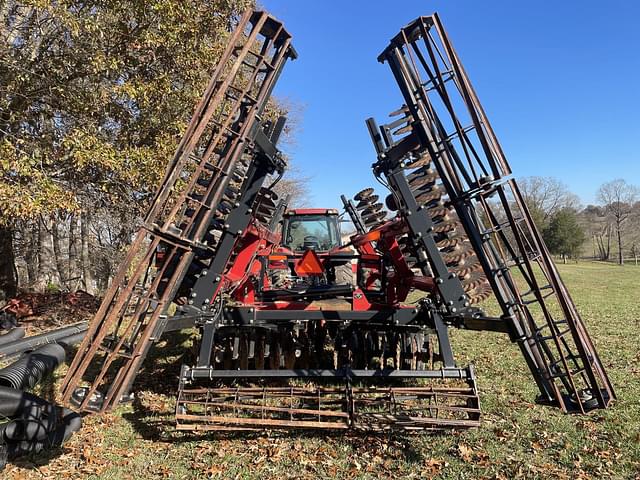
<point>317,232</point>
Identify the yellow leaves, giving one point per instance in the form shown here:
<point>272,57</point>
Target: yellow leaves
<point>25,188</point>
<point>465,452</point>
<point>133,69</point>
<point>87,149</point>
<point>27,200</point>
<point>106,165</point>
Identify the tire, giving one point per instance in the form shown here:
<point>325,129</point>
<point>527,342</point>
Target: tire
<point>344,275</point>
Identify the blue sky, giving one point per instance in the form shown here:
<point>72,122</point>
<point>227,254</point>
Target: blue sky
<point>558,80</point>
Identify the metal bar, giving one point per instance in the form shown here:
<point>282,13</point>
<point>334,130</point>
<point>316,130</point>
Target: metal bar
<point>548,356</point>
<point>210,373</point>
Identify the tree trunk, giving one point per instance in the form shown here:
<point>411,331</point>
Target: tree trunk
<point>620,255</point>
<point>74,274</point>
<point>47,273</point>
<point>8,279</point>
<point>61,265</point>
<point>85,263</point>
<point>31,251</point>
<point>602,249</point>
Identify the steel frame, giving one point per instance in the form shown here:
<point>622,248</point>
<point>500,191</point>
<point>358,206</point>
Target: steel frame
<point>448,124</point>
<point>226,124</point>
<point>442,123</point>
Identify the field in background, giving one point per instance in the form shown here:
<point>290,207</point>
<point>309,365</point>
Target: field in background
<point>517,439</point>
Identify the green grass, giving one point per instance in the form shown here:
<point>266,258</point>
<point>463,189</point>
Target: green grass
<point>517,439</point>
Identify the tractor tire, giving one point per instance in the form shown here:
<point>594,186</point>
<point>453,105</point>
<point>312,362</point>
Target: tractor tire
<point>344,275</point>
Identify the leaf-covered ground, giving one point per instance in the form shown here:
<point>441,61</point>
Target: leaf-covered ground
<point>517,439</point>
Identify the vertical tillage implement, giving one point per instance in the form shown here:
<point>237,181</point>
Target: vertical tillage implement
<point>302,329</point>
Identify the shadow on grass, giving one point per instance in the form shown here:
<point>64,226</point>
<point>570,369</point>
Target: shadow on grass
<point>162,429</point>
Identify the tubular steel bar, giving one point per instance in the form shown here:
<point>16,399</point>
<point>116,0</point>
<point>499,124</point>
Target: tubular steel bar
<point>221,132</point>
<point>450,128</point>
<point>211,373</point>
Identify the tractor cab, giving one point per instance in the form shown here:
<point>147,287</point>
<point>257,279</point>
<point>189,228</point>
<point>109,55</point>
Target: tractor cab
<point>315,229</point>
<point>313,236</point>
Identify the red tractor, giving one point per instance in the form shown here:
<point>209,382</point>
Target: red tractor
<point>317,230</point>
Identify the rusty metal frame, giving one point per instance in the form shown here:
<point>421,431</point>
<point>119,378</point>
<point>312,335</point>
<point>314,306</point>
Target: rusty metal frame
<point>362,407</point>
<point>221,131</point>
<point>448,123</point>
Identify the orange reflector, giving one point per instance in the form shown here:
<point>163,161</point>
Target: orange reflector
<point>309,264</point>
<point>371,236</point>
<point>277,257</point>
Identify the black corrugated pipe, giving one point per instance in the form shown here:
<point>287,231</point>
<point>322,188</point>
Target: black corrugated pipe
<point>13,402</point>
<point>26,372</point>
<point>71,422</point>
<point>36,424</point>
<point>11,336</point>
<point>29,343</point>
<point>71,340</point>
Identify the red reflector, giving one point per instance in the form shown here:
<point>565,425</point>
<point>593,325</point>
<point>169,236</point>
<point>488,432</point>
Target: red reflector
<point>309,264</point>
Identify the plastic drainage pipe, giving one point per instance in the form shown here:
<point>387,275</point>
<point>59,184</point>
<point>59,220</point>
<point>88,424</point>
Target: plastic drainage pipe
<point>11,336</point>
<point>27,372</point>
<point>33,429</point>
<point>71,422</point>
<point>13,402</point>
<point>35,426</point>
<point>71,340</point>
<point>29,343</point>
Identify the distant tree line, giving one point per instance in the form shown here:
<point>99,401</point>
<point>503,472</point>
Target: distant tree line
<point>611,228</point>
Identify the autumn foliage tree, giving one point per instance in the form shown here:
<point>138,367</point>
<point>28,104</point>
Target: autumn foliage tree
<point>93,98</point>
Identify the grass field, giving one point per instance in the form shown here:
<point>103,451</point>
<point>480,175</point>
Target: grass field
<point>517,439</point>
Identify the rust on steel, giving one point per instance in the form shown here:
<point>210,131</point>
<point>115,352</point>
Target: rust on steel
<point>123,329</point>
<point>472,166</point>
<point>333,408</point>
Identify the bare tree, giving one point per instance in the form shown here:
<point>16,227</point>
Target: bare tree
<point>634,238</point>
<point>545,196</point>
<point>599,228</point>
<point>618,198</point>
<point>295,184</point>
